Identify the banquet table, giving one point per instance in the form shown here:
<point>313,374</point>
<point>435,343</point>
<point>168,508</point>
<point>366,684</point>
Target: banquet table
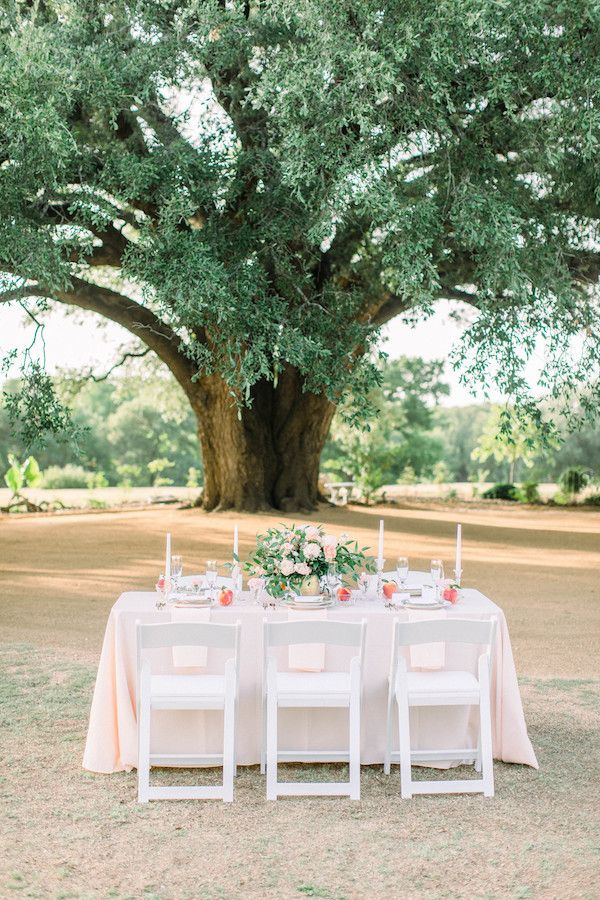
<point>111,744</point>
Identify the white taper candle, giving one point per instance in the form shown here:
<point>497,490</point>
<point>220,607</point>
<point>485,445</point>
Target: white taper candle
<point>458,558</point>
<point>380,547</point>
<point>168,556</point>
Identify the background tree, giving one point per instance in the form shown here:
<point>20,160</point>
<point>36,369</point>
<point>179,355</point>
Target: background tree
<point>399,438</point>
<point>507,439</point>
<point>254,189</point>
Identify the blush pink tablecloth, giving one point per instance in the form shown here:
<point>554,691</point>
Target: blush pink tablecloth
<point>112,735</point>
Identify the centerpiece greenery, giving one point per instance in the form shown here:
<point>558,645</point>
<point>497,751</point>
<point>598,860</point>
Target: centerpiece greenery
<point>288,557</point>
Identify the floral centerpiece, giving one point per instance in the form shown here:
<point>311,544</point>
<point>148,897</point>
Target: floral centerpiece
<point>293,559</point>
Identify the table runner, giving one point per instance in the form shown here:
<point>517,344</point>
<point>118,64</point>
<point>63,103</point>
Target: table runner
<point>112,735</point>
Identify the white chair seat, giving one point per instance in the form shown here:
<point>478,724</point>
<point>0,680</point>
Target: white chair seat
<point>424,683</point>
<point>307,684</point>
<point>187,686</point>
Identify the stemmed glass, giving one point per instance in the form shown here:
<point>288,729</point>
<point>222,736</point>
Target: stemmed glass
<point>437,575</point>
<point>363,585</point>
<point>176,569</point>
<point>257,589</point>
<point>212,574</point>
<point>402,570</point>
<point>331,582</point>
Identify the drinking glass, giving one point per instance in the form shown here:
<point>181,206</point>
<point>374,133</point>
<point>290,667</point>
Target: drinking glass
<point>437,575</point>
<point>257,590</point>
<point>331,582</point>
<point>212,573</point>
<point>363,585</point>
<point>402,570</point>
<point>176,566</point>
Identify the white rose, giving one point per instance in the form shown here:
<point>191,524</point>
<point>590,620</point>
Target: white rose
<point>302,568</point>
<point>312,550</point>
<point>312,533</point>
<point>286,566</point>
<point>329,540</point>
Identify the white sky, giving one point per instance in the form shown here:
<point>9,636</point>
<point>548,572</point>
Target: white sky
<point>80,340</point>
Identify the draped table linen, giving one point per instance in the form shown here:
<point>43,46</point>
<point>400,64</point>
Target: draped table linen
<point>111,744</point>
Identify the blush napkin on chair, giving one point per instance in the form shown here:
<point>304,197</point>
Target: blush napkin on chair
<point>427,656</point>
<point>185,657</point>
<point>306,657</point>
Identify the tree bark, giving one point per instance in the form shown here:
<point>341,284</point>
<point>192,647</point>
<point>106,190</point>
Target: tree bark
<point>265,456</point>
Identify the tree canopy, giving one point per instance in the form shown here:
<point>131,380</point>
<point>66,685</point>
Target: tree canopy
<point>253,189</point>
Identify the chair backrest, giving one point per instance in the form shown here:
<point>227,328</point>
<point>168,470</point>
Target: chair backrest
<point>451,631</point>
<point>187,634</point>
<point>314,631</point>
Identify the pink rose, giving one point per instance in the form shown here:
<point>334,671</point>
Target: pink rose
<point>287,547</point>
<point>329,551</point>
<point>302,568</point>
<point>286,566</point>
<point>312,533</point>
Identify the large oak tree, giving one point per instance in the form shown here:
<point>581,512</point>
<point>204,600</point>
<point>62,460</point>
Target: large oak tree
<point>252,189</point>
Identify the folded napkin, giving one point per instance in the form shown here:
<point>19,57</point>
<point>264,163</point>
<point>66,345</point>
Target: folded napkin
<point>190,656</point>
<point>427,656</point>
<point>306,657</point>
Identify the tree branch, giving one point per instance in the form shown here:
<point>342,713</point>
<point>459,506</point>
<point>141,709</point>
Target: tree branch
<point>131,354</point>
<point>137,319</point>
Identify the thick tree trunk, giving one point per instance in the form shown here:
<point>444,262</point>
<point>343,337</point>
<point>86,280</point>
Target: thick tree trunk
<point>266,456</point>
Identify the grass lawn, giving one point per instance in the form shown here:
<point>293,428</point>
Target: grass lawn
<point>68,833</point>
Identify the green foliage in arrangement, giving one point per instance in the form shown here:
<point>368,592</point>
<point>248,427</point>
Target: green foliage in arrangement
<point>253,186</point>
<point>286,557</point>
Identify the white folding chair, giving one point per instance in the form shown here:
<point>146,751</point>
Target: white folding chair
<point>187,692</point>
<point>312,690</point>
<point>441,688</point>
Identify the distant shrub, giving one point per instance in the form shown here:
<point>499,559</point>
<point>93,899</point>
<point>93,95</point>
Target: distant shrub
<point>573,480</point>
<point>97,480</point>
<point>592,500</point>
<point>501,492</point>
<point>193,477</point>
<point>130,475</point>
<point>441,473</point>
<point>97,504</point>
<point>408,476</point>
<point>68,476</point>
<point>529,493</point>
<point>452,494</point>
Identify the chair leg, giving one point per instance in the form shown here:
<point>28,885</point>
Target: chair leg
<point>144,747</point>
<point>263,745</point>
<point>228,748</point>
<point>477,763</point>
<point>271,744</point>
<point>354,736</point>
<point>235,737</point>
<point>487,759</point>
<point>387,760</point>
<point>404,737</point>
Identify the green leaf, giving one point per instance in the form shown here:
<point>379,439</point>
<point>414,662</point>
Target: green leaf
<point>31,471</point>
<point>14,479</point>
